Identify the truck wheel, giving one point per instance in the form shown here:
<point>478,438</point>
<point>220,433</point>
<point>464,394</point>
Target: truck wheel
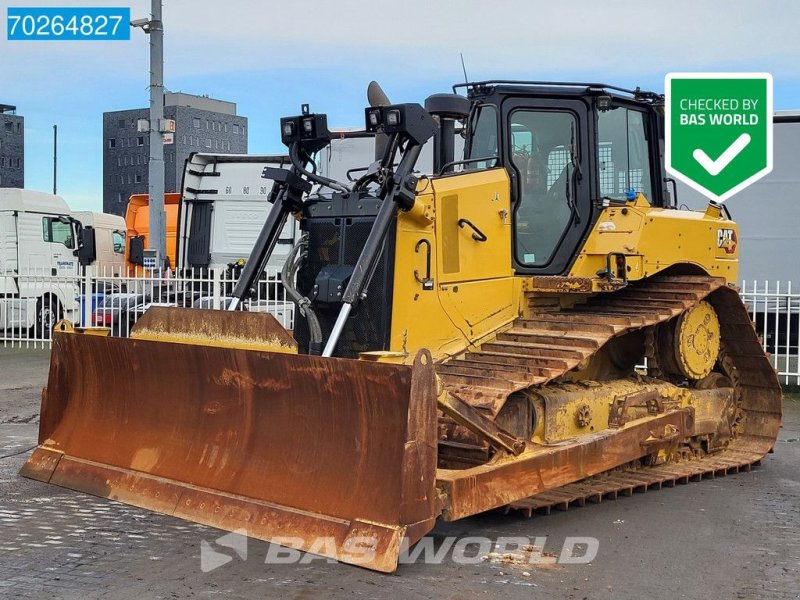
<point>48,313</point>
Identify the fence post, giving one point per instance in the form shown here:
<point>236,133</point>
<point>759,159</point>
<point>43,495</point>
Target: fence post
<point>788,314</point>
<point>88,298</point>
<point>217,289</point>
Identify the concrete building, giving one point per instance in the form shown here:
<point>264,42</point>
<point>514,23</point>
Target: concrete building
<point>202,124</point>
<point>12,147</point>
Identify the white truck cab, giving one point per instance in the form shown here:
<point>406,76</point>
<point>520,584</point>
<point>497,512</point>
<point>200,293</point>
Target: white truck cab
<point>109,241</point>
<point>223,208</point>
<point>39,261</point>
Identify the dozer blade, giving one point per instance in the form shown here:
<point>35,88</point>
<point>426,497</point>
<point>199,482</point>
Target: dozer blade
<point>332,456</point>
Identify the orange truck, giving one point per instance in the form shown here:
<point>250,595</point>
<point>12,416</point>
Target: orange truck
<point>137,222</point>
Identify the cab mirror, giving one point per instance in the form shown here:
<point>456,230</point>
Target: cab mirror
<point>87,251</point>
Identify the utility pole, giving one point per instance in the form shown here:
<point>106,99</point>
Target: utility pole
<point>155,175</point>
<point>55,159</point>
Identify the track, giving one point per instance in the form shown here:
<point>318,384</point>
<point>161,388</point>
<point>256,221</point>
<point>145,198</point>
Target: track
<point>626,482</point>
<point>540,349</point>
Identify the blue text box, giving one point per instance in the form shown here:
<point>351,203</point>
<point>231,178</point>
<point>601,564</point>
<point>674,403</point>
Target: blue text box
<point>75,23</point>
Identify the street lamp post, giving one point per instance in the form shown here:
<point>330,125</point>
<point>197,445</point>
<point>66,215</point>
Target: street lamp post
<point>154,27</point>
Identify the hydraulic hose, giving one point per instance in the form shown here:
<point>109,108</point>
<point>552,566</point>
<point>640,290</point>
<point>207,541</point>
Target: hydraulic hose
<point>294,156</point>
<point>288,273</point>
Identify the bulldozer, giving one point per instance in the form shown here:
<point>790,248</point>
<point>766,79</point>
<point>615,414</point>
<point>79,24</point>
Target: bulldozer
<point>535,325</point>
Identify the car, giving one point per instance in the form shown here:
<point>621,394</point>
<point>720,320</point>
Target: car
<point>119,311</point>
<point>100,290</point>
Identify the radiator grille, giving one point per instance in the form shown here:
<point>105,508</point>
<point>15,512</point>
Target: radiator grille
<point>339,241</point>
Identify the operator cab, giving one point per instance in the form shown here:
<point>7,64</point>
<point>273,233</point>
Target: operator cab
<point>569,148</point>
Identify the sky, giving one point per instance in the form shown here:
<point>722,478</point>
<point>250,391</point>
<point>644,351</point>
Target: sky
<point>270,57</point>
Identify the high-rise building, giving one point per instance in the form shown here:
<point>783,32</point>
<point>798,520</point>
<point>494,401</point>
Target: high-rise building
<point>12,147</point>
<point>202,124</point>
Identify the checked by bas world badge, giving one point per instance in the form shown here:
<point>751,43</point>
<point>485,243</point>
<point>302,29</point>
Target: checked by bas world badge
<point>718,130</point>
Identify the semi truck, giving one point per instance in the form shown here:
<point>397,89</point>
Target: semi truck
<point>223,205</point>
<point>137,221</point>
<point>44,248</point>
<point>213,222</point>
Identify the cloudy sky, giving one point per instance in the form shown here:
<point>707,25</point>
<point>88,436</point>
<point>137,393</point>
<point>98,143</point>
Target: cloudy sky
<point>269,57</point>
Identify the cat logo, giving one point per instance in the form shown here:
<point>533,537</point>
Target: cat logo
<point>726,239</point>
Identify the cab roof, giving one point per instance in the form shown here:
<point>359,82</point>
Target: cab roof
<point>555,88</point>
<point>19,200</point>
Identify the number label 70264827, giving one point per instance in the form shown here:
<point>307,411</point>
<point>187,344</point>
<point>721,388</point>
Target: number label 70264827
<point>83,23</point>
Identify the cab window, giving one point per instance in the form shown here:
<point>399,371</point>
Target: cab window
<point>623,158</point>
<point>482,139</point>
<point>542,146</point>
<point>56,232</point>
<point>118,240</point>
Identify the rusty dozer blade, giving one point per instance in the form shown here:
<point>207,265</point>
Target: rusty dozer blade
<point>332,456</point>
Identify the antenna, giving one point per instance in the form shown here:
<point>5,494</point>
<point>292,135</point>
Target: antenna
<point>463,67</point>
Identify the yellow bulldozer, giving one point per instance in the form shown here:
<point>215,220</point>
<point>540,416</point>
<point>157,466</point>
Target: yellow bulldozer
<point>467,340</point>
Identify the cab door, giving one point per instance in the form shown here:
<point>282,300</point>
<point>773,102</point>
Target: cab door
<point>545,148</point>
<point>60,234</point>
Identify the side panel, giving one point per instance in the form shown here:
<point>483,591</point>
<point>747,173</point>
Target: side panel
<point>108,261</point>
<point>109,258</point>
<point>654,239</point>
<point>105,251</point>
<point>237,192</point>
<point>8,265</point>
<point>481,199</point>
<point>235,228</point>
<point>472,290</point>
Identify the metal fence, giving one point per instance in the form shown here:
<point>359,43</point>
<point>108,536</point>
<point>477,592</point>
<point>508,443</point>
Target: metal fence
<point>775,309</point>
<point>31,303</point>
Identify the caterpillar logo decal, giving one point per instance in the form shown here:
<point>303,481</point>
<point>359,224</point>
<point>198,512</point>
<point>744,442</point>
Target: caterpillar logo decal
<point>726,239</point>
